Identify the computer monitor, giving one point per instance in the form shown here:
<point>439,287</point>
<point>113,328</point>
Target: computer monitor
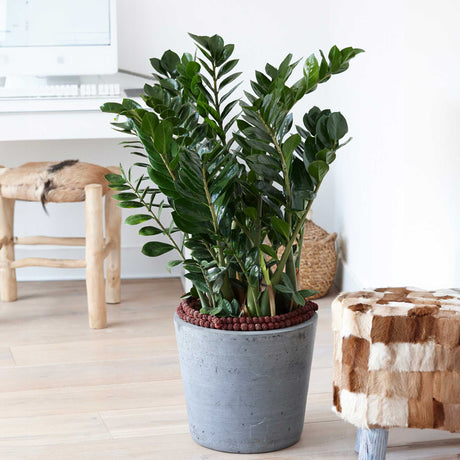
<point>58,37</point>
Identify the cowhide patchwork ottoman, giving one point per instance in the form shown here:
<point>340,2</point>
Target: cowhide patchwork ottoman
<point>396,362</point>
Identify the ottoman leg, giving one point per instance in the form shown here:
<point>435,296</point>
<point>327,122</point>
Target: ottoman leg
<point>358,440</point>
<point>373,445</point>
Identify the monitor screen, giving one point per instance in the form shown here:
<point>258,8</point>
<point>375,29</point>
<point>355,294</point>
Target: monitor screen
<point>64,32</point>
<point>56,23</point>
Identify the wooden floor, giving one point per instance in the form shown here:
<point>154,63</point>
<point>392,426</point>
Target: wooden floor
<point>68,392</point>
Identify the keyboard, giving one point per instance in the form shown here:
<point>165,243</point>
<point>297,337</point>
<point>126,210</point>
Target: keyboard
<point>50,98</point>
<point>61,91</point>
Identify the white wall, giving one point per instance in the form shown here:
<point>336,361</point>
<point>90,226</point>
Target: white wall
<point>393,192</point>
<point>397,193</point>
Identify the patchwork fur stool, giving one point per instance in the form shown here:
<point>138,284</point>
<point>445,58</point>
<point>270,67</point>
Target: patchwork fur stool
<point>396,362</point>
<point>64,182</point>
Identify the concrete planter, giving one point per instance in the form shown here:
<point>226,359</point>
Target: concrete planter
<point>246,391</point>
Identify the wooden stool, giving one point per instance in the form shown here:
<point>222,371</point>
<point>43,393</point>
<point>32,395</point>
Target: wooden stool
<point>396,362</point>
<point>64,182</point>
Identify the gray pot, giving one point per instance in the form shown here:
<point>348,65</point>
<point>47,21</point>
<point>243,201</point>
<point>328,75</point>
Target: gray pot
<point>245,391</point>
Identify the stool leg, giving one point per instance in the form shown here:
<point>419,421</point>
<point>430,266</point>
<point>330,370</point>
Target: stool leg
<point>373,444</point>
<point>95,257</point>
<point>8,284</point>
<point>358,440</point>
<point>112,234</point>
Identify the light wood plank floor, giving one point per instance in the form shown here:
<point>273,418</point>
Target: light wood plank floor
<point>68,392</point>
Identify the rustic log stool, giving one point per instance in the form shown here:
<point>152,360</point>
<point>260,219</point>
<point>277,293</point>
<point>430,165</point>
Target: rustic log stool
<point>64,182</point>
<point>396,362</point>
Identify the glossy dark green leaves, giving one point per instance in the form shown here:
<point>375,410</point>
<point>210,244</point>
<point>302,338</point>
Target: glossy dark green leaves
<point>237,195</point>
<point>156,248</point>
<point>318,170</point>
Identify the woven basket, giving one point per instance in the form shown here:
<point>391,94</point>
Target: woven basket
<point>318,262</point>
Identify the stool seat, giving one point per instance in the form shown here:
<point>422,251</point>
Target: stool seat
<point>46,181</point>
<point>397,358</point>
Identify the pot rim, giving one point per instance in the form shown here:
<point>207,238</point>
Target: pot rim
<point>283,330</point>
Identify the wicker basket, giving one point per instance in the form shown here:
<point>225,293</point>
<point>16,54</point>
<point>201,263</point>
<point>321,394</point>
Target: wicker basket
<point>319,260</point>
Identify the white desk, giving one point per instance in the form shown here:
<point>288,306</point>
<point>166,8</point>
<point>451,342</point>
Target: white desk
<point>66,124</point>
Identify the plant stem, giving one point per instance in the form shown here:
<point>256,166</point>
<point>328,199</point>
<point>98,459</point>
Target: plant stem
<point>267,304</point>
<point>226,287</point>
<point>299,248</point>
<point>287,184</point>
<point>290,267</point>
<point>252,300</point>
<point>157,220</point>
<point>277,275</point>
<point>217,104</point>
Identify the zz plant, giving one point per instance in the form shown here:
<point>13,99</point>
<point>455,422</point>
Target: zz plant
<point>237,179</point>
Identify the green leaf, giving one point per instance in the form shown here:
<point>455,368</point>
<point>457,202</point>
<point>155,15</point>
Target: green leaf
<point>150,231</point>
<point>192,68</point>
<point>337,126</point>
<point>115,179</point>
<point>198,281</point>
<point>124,196</point>
<point>335,58</point>
<point>172,263</point>
<point>281,226</point>
<point>156,64</point>
<point>318,170</point>
<point>215,311</point>
<point>323,68</point>
<point>169,61</point>
<point>149,123</point>
<point>200,39</point>
<point>305,293</point>
<point>229,79</point>
<point>227,67</point>
<point>216,46</point>
<point>226,306</point>
<point>137,219</point>
<point>226,53</point>
<point>283,289</point>
<point>311,70</point>
<point>163,136</point>
<point>119,187</point>
<point>287,281</point>
<point>129,104</point>
<point>289,146</point>
<point>130,204</point>
<point>298,299</point>
<point>156,248</point>
<point>322,133</point>
<point>269,251</point>
<point>301,186</point>
<point>187,225</point>
<point>112,107</point>
<point>326,155</point>
<point>310,149</point>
